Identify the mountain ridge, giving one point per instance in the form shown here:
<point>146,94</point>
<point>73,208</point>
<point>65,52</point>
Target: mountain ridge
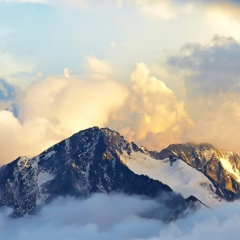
<point>220,166</point>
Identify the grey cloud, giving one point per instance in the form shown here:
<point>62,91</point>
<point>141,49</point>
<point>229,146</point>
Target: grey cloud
<point>215,67</point>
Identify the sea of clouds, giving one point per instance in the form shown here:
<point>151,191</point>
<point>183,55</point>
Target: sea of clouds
<point>118,216</point>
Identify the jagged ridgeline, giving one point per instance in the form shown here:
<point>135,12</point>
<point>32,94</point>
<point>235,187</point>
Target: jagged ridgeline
<point>91,161</point>
<point>95,160</point>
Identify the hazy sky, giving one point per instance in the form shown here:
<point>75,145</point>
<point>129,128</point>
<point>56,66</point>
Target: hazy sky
<point>159,72</point>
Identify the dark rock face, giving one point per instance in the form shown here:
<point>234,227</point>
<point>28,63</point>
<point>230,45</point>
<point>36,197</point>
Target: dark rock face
<point>86,163</point>
<point>210,161</point>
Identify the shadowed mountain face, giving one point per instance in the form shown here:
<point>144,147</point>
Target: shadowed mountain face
<point>221,167</point>
<point>86,163</point>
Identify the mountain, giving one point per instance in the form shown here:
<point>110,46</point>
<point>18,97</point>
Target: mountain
<point>221,167</point>
<point>101,160</point>
<point>90,161</point>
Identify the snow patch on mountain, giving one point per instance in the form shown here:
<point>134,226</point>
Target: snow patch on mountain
<point>44,177</point>
<point>229,167</point>
<point>49,154</point>
<point>177,174</point>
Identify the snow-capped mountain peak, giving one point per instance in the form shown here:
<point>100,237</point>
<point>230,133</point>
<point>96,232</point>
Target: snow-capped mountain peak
<point>101,160</point>
<point>86,163</point>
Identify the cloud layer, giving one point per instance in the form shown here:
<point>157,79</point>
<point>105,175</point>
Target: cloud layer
<point>118,217</point>
<point>99,217</point>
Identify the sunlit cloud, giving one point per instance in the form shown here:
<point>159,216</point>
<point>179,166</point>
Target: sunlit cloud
<point>56,107</point>
<point>152,116</point>
<point>97,66</point>
<point>160,10</point>
<point>148,109</point>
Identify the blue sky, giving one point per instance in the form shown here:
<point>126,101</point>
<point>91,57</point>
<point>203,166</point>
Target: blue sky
<point>157,71</point>
<point>49,37</point>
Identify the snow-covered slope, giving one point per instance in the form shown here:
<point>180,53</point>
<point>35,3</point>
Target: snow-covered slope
<point>177,174</point>
<point>221,167</point>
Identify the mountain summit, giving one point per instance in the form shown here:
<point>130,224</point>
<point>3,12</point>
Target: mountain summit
<point>88,162</point>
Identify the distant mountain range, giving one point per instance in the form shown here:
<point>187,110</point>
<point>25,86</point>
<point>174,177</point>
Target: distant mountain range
<point>101,160</point>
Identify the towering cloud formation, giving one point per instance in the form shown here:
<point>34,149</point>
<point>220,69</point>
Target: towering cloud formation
<point>152,116</point>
